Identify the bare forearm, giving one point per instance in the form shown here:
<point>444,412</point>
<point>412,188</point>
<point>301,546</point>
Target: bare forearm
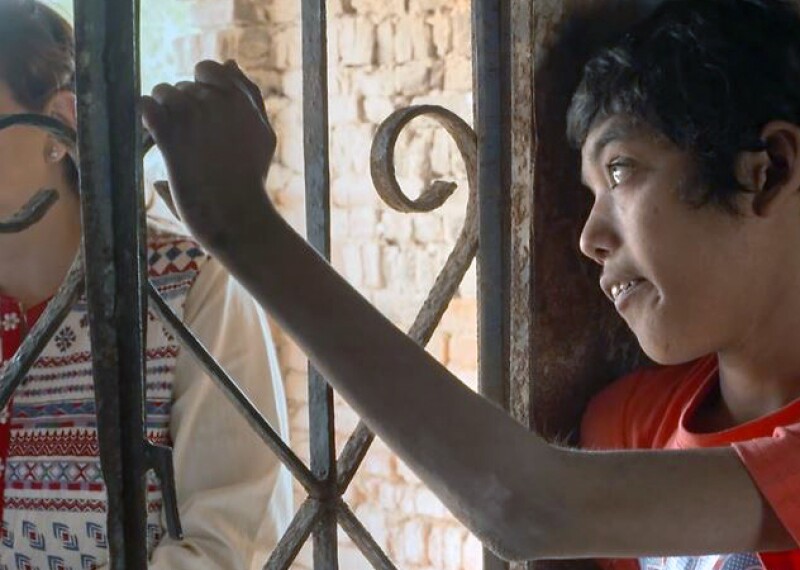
<point>464,448</point>
<point>523,497</point>
<point>634,503</point>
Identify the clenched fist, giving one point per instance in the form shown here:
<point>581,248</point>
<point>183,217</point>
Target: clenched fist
<point>217,144</point>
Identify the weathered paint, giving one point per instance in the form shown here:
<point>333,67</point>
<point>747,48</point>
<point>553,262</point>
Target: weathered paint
<point>318,229</point>
<point>109,137</point>
<point>492,73</point>
<point>576,342</point>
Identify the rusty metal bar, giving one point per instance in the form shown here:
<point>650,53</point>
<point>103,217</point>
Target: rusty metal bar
<point>580,343</point>
<point>318,224</point>
<point>30,213</point>
<point>49,124</point>
<point>160,460</point>
<point>457,264</point>
<point>42,201</point>
<point>110,166</point>
<point>296,535</point>
<point>362,538</point>
<point>235,394</point>
<point>42,331</point>
<point>490,20</point>
<point>491,117</point>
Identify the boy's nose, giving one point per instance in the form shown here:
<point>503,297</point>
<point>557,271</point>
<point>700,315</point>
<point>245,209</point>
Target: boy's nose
<point>599,240</point>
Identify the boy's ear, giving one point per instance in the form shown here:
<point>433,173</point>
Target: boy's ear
<point>771,174</point>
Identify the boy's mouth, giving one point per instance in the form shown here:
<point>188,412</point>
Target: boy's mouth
<point>618,288</point>
<point>621,292</point>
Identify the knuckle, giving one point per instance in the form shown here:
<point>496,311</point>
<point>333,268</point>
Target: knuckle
<point>207,67</point>
<point>204,65</point>
<point>161,88</point>
<point>163,92</point>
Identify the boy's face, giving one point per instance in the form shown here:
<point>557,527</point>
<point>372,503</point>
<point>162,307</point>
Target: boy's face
<point>688,281</point>
<point>23,170</point>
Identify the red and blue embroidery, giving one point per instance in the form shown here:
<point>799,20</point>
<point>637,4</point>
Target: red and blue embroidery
<point>53,500</point>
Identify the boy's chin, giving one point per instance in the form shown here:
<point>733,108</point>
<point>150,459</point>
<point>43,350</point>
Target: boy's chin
<point>666,353</point>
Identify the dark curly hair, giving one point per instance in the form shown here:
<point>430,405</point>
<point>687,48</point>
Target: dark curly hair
<point>706,74</point>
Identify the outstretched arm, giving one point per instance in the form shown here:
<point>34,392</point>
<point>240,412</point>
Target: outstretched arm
<point>522,497</point>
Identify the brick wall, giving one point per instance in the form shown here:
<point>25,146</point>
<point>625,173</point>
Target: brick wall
<point>384,55</point>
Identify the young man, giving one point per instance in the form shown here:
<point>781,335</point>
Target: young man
<point>689,131</point>
<point>691,147</point>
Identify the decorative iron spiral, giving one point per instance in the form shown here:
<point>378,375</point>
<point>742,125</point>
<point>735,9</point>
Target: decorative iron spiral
<point>41,202</point>
<point>457,264</point>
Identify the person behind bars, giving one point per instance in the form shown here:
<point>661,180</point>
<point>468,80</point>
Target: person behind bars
<point>234,496</point>
<point>689,130</point>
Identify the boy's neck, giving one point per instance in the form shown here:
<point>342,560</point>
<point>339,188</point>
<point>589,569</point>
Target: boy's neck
<point>33,263</point>
<point>718,412</point>
<point>764,375</point>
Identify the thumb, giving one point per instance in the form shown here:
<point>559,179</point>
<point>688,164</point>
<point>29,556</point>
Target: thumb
<point>155,118</point>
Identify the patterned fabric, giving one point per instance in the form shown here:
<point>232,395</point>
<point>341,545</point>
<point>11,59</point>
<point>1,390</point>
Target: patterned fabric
<point>744,561</point>
<point>54,498</point>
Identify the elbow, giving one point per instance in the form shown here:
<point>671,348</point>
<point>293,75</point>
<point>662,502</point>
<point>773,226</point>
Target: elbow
<point>524,544</point>
<point>542,517</point>
<point>526,531</point>
<point>510,550</point>
<point>529,511</point>
<point>508,545</point>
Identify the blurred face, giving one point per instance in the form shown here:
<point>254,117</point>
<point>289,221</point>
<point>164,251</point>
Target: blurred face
<point>688,281</point>
<point>24,166</point>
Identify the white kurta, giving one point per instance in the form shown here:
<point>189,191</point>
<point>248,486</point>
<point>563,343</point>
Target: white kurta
<point>234,496</point>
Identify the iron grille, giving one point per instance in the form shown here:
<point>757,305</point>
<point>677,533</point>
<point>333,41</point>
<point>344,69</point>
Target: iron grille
<point>109,148</point>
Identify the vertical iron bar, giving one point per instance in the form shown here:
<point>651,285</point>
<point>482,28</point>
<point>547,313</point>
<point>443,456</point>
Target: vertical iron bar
<point>110,164</point>
<point>318,216</point>
<point>491,66</point>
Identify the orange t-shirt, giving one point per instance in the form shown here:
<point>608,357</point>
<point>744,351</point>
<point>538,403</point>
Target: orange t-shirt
<point>651,409</point>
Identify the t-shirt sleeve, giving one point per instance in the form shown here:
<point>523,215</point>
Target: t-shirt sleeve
<point>774,464</point>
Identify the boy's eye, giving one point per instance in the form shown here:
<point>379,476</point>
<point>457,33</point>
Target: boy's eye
<point>619,172</point>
